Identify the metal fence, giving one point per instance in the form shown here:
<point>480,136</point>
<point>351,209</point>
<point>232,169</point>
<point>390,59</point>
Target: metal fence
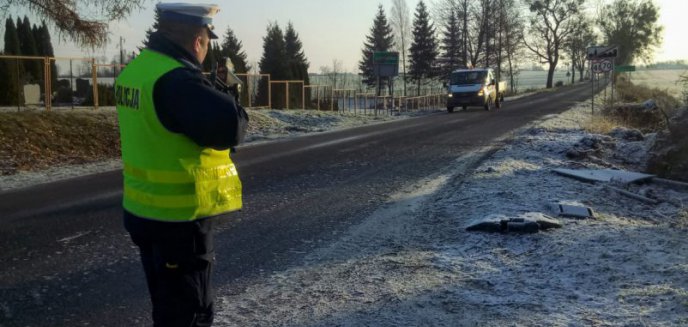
<point>251,96</point>
<point>70,82</point>
<point>81,82</point>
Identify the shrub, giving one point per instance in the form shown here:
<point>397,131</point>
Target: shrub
<point>669,155</point>
<point>602,124</point>
<point>629,92</point>
<point>630,112</point>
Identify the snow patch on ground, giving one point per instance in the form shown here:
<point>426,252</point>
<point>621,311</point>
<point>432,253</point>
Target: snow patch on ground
<point>412,263</point>
<point>56,173</point>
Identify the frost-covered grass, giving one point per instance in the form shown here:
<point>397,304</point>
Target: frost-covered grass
<point>412,263</point>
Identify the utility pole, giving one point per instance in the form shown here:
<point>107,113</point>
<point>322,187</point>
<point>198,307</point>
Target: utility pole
<point>121,52</point>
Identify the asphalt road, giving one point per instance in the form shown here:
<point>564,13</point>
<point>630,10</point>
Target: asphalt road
<point>66,260</point>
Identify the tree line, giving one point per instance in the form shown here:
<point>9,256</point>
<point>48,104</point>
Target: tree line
<point>501,34</point>
<point>24,39</point>
<point>283,58</point>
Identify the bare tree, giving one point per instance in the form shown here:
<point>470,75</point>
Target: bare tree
<point>551,25</point>
<point>401,23</point>
<point>491,32</point>
<point>83,21</point>
<point>582,37</point>
<point>484,20</point>
<point>333,73</point>
<point>512,25</point>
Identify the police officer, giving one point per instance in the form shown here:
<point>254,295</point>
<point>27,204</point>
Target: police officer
<point>176,132</point>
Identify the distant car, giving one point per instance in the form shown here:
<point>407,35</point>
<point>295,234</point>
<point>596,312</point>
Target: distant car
<point>474,87</point>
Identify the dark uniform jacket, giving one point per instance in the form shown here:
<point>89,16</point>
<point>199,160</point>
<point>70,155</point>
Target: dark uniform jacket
<point>186,102</point>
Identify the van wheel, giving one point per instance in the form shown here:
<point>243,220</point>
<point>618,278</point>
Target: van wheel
<point>450,109</point>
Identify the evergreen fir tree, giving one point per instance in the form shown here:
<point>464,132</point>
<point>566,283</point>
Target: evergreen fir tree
<point>381,38</point>
<point>6,81</point>
<point>37,35</point>
<point>217,50</point>
<point>273,62</point>
<point>26,40</point>
<point>296,61</point>
<point>423,52</point>
<point>274,54</point>
<point>47,50</point>
<point>451,47</point>
<point>27,47</point>
<point>11,38</point>
<point>232,48</point>
<point>150,31</point>
<point>11,76</point>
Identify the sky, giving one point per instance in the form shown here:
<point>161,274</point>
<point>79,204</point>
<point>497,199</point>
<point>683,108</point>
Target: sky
<point>329,30</point>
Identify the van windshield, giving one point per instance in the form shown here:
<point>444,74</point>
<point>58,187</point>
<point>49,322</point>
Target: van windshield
<point>463,78</point>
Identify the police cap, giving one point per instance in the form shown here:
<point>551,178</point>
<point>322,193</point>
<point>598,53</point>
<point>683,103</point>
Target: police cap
<point>187,13</point>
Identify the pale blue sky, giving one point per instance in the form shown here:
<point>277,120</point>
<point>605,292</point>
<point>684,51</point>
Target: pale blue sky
<point>329,29</point>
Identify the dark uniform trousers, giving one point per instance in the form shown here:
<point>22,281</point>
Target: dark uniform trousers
<point>177,258</point>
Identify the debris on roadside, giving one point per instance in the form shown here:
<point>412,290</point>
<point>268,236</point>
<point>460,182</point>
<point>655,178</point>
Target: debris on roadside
<point>620,181</point>
<point>604,175</point>
<point>571,210</point>
<point>528,223</point>
<point>627,134</point>
<point>671,183</point>
<point>632,195</point>
<point>590,146</point>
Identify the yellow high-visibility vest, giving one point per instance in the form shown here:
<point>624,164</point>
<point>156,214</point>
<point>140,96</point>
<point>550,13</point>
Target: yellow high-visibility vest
<point>167,176</point>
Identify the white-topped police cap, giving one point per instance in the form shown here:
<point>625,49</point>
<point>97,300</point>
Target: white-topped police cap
<point>189,13</point>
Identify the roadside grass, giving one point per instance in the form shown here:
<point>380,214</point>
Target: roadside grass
<point>627,112</point>
<point>602,124</point>
<point>630,92</point>
<point>32,140</point>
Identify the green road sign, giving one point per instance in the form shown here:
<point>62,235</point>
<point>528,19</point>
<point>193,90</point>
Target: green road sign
<point>624,69</point>
<point>386,58</point>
